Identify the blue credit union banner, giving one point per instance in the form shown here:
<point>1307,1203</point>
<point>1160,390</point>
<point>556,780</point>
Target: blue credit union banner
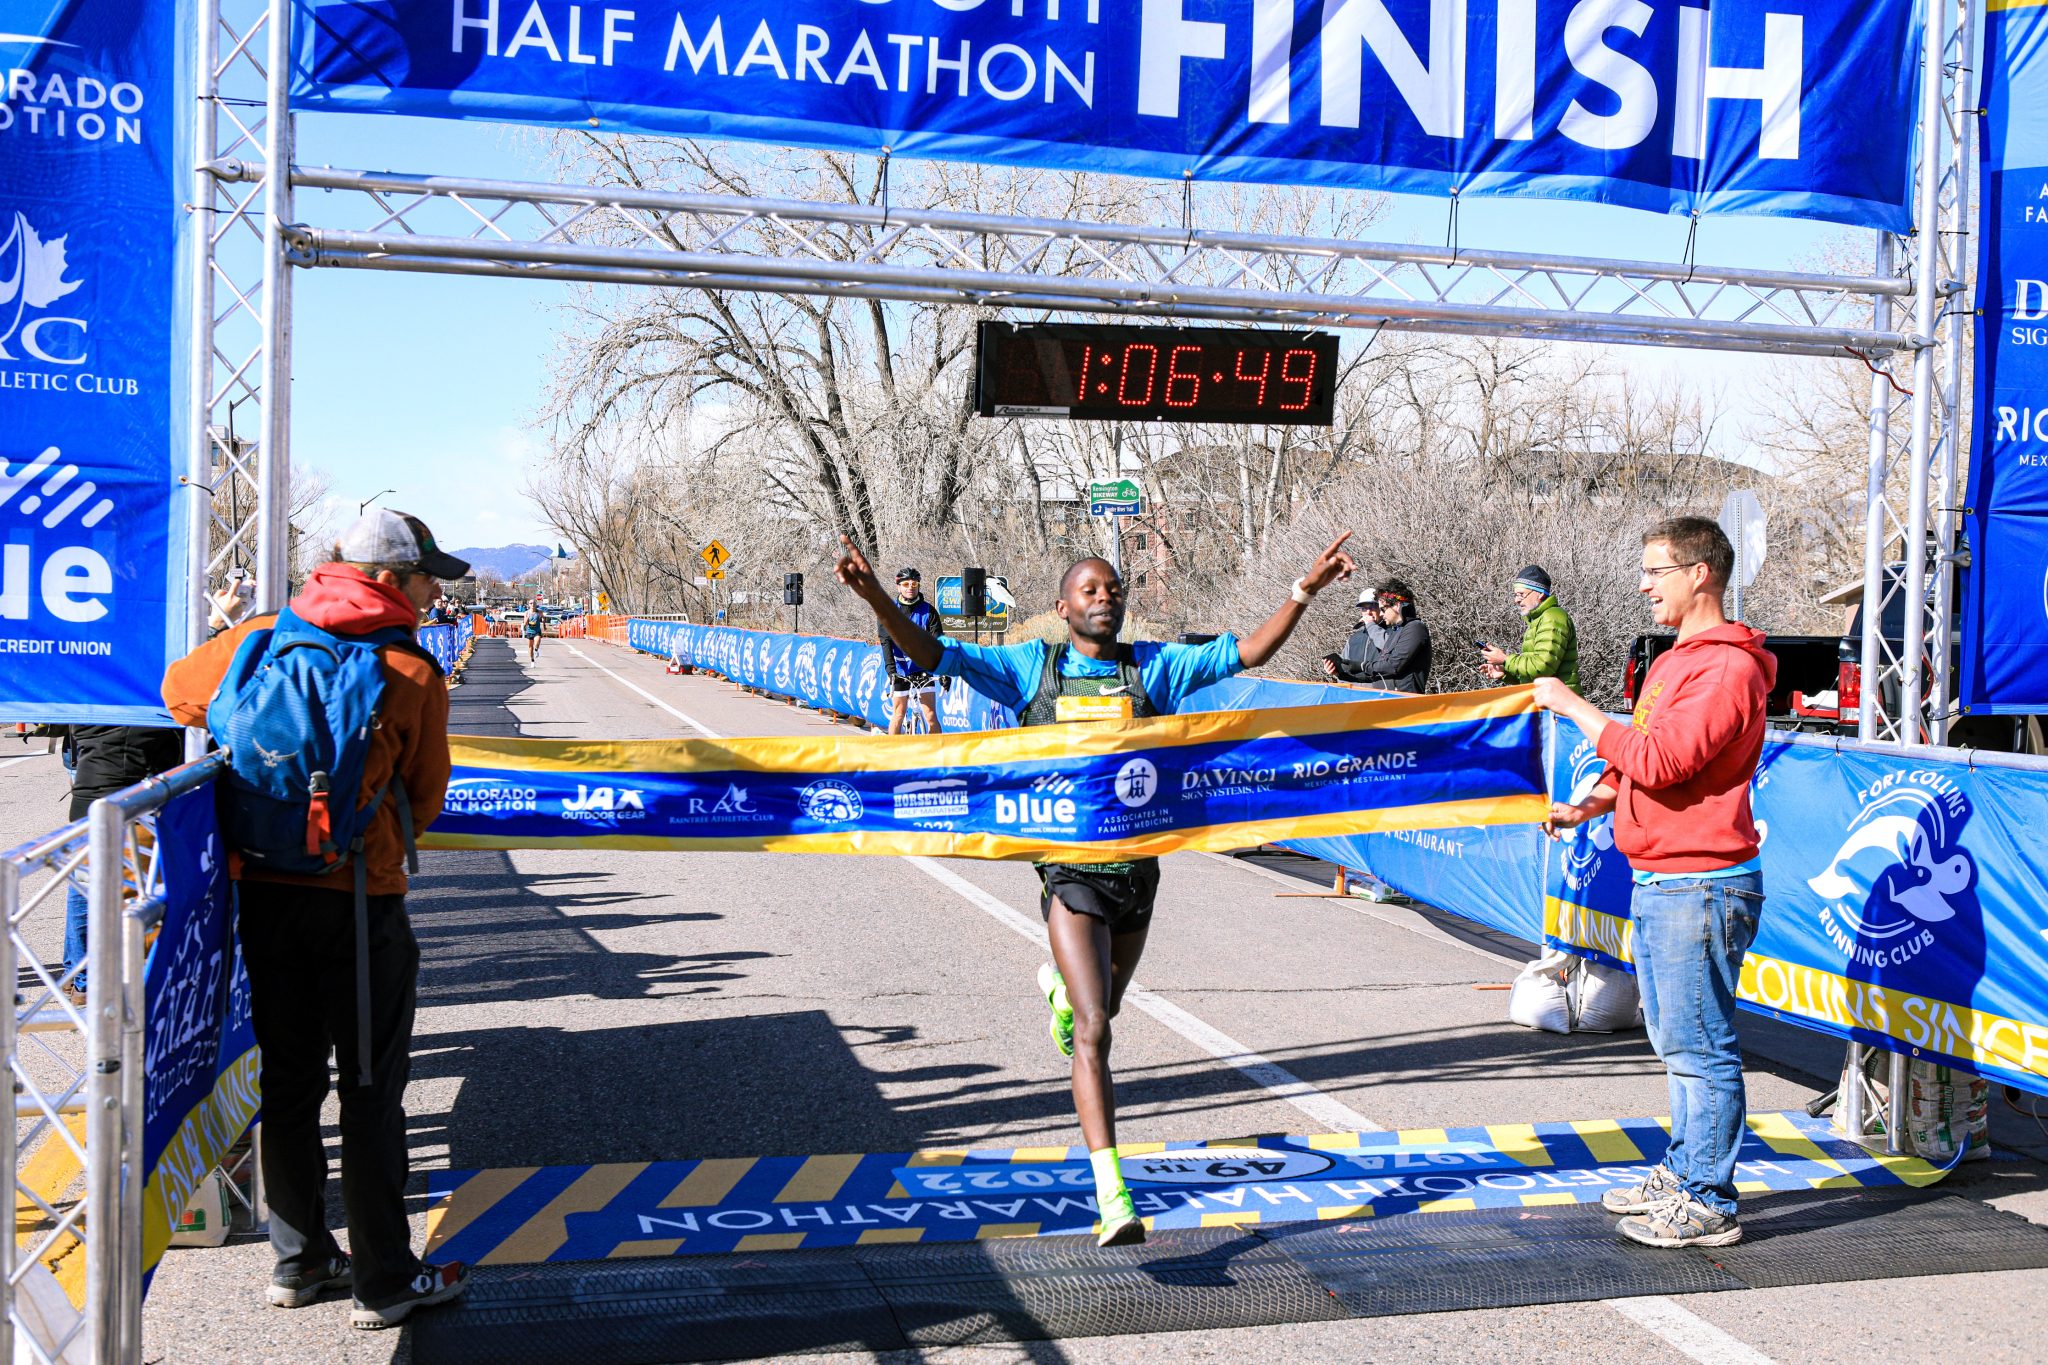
<point>1800,108</point>
<point>91,157</point>
<point>2005,595</point>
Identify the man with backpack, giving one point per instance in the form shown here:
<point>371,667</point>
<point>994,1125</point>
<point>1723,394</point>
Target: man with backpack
<point>319,824</point>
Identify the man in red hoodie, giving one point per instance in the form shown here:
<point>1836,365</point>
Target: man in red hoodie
<point>299,943</point>
<point>1677,781</point>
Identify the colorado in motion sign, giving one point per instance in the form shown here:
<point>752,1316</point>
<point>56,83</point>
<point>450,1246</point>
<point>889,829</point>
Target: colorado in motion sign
<point>1800,108</point>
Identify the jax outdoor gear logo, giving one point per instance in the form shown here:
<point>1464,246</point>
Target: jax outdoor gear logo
<point>1586,845</point>
<point>830,801</point>
<point>607,804</point>
<point>1900,870</point>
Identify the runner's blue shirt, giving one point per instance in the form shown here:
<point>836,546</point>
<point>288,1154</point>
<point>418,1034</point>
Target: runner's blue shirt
<point>1009,674</point>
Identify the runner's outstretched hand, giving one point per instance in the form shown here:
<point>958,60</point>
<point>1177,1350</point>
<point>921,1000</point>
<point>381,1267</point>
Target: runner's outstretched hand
<point>853,570</point>
<point>1331,566</point>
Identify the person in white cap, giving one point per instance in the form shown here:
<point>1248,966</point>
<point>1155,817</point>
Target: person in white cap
<point>298,936</point>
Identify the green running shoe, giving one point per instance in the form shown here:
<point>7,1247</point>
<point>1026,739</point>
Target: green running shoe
<point>1121,1225</point>
<point>1062,1027</point>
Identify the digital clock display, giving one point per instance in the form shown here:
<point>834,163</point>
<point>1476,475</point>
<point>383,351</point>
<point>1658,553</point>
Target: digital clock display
<point>1107,372</point>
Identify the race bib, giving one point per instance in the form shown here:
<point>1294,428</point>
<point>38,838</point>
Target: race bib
<point>1092,708</point>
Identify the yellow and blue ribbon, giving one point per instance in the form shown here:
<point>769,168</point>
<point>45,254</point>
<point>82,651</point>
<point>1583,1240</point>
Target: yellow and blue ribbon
<point>1085,792</point>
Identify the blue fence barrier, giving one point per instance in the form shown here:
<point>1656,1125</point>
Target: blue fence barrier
<point>447,643</point>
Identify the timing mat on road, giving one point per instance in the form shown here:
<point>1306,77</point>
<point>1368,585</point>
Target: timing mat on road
<point>529,1214</point>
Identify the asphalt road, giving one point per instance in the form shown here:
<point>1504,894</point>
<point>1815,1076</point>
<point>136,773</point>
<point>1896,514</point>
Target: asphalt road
<point>579,1007</point>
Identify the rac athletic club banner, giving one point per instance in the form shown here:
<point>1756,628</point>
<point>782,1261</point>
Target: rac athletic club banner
<point>2005,595</point>
<point>1799,108</point>
<point>1904,899</point>
<point>92,159</point>
<point>1088,792</point>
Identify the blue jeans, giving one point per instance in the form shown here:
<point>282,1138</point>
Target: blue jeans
<point>1690,936</point>
<point>74,931</point>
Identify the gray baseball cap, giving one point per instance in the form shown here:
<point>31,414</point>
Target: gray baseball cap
<point>385,536</point>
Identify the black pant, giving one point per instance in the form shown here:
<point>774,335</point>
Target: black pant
<point>300,946</point>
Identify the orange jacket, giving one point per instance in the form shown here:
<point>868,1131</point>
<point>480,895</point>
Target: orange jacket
<point>411,738</point>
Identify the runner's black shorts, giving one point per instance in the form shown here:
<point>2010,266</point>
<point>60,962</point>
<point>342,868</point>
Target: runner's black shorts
<point>1122,900</point>
<point>916,682</point>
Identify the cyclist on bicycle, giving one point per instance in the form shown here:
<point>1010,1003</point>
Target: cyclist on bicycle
<point>906,679</point>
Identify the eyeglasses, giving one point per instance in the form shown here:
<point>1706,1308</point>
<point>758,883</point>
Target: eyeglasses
<point>1658,572</point>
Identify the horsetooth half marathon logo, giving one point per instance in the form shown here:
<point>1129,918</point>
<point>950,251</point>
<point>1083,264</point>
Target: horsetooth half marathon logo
<point>1900,870</point>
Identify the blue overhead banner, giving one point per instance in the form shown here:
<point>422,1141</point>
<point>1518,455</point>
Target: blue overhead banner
<point>1905,903</point>
<point>92,131</point>
<point>1798,108</point>
<point>2005,594</point>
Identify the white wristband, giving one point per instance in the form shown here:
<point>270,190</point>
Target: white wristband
<point>1299,593</point>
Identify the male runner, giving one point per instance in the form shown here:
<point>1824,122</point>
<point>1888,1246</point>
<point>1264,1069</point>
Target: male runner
<point>906,679</point>
<point>533,628</point>
<point>1096,916</point>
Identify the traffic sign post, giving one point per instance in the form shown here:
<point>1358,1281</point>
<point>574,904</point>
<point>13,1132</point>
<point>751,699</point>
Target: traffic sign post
<point>1115,498</point>
<point>714,555</point>
<point>1742,521</point>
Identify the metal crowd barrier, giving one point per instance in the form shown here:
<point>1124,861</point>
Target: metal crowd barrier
<point>66,1062</point>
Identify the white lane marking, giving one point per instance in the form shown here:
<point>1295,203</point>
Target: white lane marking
<point>5,764</point>
<point>1687,1332</point>
<point>690,721</point>
<point>1417,926</point>
<point>1332,1113</point>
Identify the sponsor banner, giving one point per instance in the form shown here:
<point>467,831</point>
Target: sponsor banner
<point>200,1074</point>
<point>92,160</point>
<point>1490,874</point>
<point>690,1208</point>
<point>447,643</point>
<point>1905,901</point>
<point>1799,108</point>
<point>1082,792</point>
<point>2004,625</point>
<point>845,677</point>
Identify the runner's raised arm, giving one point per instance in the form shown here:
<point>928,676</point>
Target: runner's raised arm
<point>1330,566</point>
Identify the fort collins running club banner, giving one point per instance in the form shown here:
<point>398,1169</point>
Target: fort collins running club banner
<point>2005,594</point>
<point>1799,108</point>
<point>1088,792</point>
<point>91,163</point>
<point>1904,906</point>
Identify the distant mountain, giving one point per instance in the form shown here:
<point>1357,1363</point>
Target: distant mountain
<point>508,561</point>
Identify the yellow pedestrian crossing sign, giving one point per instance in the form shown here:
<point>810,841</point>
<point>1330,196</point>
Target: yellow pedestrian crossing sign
<point>714,556</point>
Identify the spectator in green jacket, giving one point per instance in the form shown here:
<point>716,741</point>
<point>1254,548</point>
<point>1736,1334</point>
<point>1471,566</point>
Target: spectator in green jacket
<point>1550,647</point>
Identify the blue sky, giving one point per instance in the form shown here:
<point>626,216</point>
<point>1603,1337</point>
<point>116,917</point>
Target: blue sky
<point>429,385</point>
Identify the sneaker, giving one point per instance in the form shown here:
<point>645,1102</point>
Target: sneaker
<point>1644,1195</point>
<point>1682,1221</point>
<point>308,1286</point>
<point>1121,1226</point>
<point>1062,1026</point>
<point>434,1284</point>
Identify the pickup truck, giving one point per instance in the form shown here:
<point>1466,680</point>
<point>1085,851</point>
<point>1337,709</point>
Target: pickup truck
<point>1807,665</point>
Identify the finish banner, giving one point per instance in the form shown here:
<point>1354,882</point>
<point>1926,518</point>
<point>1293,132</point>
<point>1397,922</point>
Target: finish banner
<point>1078,793</point>
<point>200,1091</point>
<point>92,160</point>
<point>1905,899</point>
<point>845,677</point>
<point>2005,591</point>
<point>1799,108</point>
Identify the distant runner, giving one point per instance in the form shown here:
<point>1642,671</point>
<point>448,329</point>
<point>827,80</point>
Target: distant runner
<point>1096,916</point>
<point>533,634</point>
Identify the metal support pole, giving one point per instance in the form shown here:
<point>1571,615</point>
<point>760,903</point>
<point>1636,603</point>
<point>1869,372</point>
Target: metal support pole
<point>1869,721</point>
<point>199,452</point>
<point>133,925</point>
<point>104,829</point>
<point>10,1145</point>
<point>274,466</point>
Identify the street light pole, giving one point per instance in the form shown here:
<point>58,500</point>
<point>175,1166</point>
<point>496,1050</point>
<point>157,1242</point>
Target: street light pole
<point>363,506</point>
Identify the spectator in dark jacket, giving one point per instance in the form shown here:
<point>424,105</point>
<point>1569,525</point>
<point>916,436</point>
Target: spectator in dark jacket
<point>1366,640</point>
<point>104,759</point>
<point>1402,662</point>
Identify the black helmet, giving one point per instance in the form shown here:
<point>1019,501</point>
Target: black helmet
<point>910,575</point>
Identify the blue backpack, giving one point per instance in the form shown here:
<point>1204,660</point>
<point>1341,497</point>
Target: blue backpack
<point>295,713</point>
